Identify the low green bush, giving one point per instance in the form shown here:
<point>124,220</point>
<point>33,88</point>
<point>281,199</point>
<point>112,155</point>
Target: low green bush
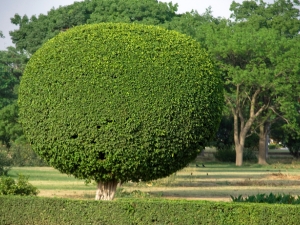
<point>271,199</point>
<point>272,146</point>
<point>121,193</point>
<point>249,155</point>
<point>226,153</point>
<point>36,210</point>
<point>23,155</point>
<point>5,163</point>
<point>8,186</point>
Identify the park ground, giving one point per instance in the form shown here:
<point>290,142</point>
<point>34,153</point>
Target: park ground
<point>216,181</point>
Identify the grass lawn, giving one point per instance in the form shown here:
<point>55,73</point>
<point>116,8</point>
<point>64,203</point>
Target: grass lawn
<point>215,181</point>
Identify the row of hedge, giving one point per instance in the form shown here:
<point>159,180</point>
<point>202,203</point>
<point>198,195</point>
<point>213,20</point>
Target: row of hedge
<point>36,210</point>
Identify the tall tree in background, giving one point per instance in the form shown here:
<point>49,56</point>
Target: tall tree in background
<point>35,31</point>
<point>282,16</point>
<point>191,23</point>
<point>260,69</point>
<point>12,64</point>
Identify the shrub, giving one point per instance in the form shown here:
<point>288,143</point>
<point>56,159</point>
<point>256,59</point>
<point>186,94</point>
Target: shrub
<point>293,144</point>
<point>5,163</point>
<point>226,153</point>
<point>271,198</point>
<point>272,146</point>
<point>8,186</point>
<point>114,101</point>
<point>249,155</point>
<point>23,155</point>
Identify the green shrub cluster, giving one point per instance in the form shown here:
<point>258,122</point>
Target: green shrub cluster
<point>271,198</point>
<point>33,210</point>
<point>19,154</point>
<point>226,153</point>
<point>5,163</point>
<point>8,186</point>
<point>273,146</point>
<point>23,155</point>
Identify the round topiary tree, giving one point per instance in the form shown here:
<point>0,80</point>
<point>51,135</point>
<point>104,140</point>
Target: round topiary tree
<point>117,102</point>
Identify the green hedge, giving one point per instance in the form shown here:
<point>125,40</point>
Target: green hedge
<point>115,101</point>
<point>36,210</point>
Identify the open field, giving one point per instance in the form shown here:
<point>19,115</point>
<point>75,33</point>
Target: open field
<point>215,181</point>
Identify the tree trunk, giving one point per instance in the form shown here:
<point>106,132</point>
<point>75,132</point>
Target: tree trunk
<point>239,155</point>
<point>106,190</point>
<point>262,152</point>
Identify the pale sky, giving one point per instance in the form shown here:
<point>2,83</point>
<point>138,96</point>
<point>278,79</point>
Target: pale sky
<point>8,8</point>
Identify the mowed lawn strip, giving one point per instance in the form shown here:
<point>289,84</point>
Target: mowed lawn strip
<point>215,181</point>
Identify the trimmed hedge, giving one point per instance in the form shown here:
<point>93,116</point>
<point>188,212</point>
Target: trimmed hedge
<point>35,210</point>
<point>116,101</point>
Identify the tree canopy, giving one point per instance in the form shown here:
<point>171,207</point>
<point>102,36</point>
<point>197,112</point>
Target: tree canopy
<point>113,101</point>
<point>281,15</point>
<point>35,31</point>
<point>261,73</point>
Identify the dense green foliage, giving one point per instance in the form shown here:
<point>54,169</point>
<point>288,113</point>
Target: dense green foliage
<point>35,31</point>
<point>12,64</point>
<point>8,186</point>
<point>271,199</point>
<point>227,153</point>
<point>261,73</point>
<point>120,101</point>
<point>10,128</point>
<point>7,83</point>
<point>5,163</point>
<point>292,141</point>
<point>281,15</point>
<point>42,211</point>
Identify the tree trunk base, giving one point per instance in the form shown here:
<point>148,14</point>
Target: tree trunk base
<point>262,162</point>
<point>239,155</point>
<point>106,190</point>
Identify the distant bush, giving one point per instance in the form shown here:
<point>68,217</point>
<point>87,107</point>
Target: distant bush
<point>8,186</point>
<point>227,153</point>
<point>272,146</point>
<point>271,199</point>
<point>23,155</point>
<point>249,155</point>
<point>121,193</point>
<point>5,163</point>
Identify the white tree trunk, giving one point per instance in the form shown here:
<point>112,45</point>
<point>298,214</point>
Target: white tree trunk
<point>106,190</point>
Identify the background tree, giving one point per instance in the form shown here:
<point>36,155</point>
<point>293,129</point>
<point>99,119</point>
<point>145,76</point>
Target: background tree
<point>12,64</point>
<point>35,31</point>
<point>191,23</point>
<point>7,84</point>
<point>13,143</point>
<point>10,128</point>
<point>135,103</point>
<point>282,16</point>
<point>260,70</point>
